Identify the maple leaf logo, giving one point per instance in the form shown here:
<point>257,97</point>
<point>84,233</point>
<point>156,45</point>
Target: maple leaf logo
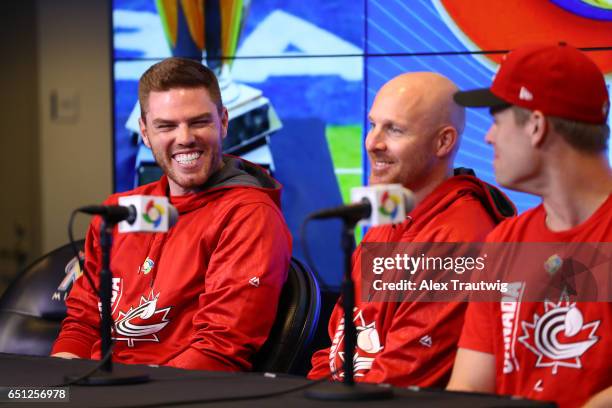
<point>559,337</point>
<point>141,323</point>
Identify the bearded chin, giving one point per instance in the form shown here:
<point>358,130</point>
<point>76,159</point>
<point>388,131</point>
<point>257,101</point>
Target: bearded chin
<point>196,180</point>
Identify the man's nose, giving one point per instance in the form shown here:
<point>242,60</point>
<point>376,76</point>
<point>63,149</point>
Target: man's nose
<point>375,140</point>
<point>489,136</point>
<point>184,135</point>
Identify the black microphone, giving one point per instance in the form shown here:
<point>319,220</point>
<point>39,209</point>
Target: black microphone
<point>112,213</point>
<point>374,205</point>
<point>137,213</point>
<point>355,211</point>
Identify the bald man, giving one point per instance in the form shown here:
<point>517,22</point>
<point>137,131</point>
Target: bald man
<point>415,129</point>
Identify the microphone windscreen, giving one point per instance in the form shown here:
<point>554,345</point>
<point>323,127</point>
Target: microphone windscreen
<point>409,201</point>
<point>390,203</point>
<point>153,214</point>
<point>173,215</point>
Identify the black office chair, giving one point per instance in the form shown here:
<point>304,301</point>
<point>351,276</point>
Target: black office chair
<point>287,349</point>
<point>32,307</point>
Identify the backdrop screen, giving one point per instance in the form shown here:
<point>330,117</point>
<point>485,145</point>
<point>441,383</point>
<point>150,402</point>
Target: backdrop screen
<point>298,78</point>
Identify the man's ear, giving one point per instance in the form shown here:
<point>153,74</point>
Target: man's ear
<point>224,122</point>
<point>143,132</point>
<point>446,141</point>
<point>537,128</point>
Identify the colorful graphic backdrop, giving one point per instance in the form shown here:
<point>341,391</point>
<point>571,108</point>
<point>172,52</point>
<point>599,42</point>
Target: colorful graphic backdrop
<point>319,63</point>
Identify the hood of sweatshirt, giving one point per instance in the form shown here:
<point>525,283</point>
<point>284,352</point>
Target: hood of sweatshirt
<point>497,204</point>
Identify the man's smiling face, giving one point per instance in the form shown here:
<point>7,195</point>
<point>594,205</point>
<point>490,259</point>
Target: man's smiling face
<point>185,131</point>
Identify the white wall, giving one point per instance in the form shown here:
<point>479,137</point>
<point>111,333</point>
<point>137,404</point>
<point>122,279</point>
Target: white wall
<point>75,149</point>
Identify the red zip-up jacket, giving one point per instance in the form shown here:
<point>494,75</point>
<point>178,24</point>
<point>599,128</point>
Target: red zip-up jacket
<point>202,296</point>
<point>413,343</point>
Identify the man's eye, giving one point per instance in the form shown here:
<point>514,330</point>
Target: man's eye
<point>200,123</point>
<point>395,129</point>
<point>164,127</point>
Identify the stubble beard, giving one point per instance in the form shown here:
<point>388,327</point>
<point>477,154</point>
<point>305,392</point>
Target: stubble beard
<point>195,180</point>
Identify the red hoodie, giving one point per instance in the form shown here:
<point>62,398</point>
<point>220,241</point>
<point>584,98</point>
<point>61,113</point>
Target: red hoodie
<point>206,297</point>
<point>413,343</point>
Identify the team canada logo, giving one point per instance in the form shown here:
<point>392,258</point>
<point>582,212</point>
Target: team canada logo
<point>560,336</point>
<point>141,323</point>
<point>368,345</point>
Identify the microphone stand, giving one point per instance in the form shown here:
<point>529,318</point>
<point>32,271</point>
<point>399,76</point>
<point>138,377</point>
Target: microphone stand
<point>349,390</point>
<point>105,375</point>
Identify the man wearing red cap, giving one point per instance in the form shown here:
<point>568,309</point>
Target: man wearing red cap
<point>549,134</point>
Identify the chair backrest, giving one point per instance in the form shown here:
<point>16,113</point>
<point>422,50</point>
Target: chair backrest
<point>287,347</point>
<point>32,307</point>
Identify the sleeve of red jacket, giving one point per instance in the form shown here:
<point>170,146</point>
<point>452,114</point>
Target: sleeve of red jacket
<point>80,328</point>
<point>405,360</point>
<point>421,343</point>
<point>242,286</point>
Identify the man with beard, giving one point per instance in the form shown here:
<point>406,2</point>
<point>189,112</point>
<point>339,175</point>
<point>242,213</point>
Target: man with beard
<point>211,284</point>
<point>414,135</point>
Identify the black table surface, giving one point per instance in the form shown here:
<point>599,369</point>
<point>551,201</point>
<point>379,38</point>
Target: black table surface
<point>174,387</point>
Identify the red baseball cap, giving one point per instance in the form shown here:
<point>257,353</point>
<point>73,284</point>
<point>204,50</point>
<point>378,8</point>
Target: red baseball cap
<point>558,80</point>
